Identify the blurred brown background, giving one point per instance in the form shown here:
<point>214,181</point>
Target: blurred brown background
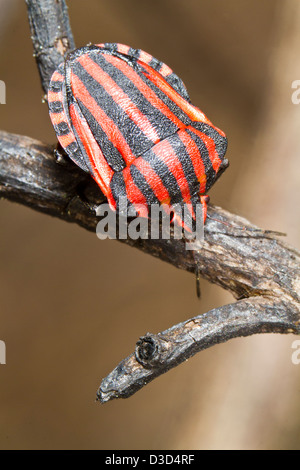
<point>73,306</point>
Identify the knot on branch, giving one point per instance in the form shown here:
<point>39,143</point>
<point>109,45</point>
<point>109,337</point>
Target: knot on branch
<point>149,350</point>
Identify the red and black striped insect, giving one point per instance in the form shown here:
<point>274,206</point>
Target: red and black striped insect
<point>126,118</point>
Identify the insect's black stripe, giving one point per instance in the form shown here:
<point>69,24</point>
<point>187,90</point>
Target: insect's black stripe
<point>134,53</point>
<point>56,107</point>
<point>187,165</point>
<point>219,140</point>
<point>57,81</point>
<point>135,137</point>
<point>138,81</point>
<point>195,201</point>
<point>55,86</point>
<point>118,187</point>
<point>129,87</point>
<point>142,184</point>
<point>178,85</point>
<point>168,179</point>
<point>209,171</point>
<point>118,190</point>
<point>76,150</point>
<point>62,128</point>
<point>121,79</point>
<point>162,124</point>
<point>77,153</point>
<point>111,46</point>
<point>72,147</point>
<point>155,64</point>
<point>168,101</point>
<point>111,153</point>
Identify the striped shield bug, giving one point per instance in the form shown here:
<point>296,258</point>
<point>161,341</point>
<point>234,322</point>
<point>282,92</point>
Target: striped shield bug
<point>126,118</point>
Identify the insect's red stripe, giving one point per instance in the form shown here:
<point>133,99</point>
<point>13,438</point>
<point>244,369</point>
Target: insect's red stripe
<point>164,151</point>
<point>133,192</point>
<point>192,112</point>
<point>203,200</point>
<point>211,147</point>
<point>111,199</point>
<point>123,49</point>
<point>58,118</point>
<point>55,96</point>
<point>165,70</point>
<point>102,172</point>
<point>57,77</point>
<point>107,124</point>
<point>119,96</point>
<point>66,139</point>
<point>145,57</point>
<point>153,180</point>
<point>149,94</point>
<point>195,157</point>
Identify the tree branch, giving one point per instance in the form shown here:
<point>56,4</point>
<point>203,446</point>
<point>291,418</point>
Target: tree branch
<point>256,267</point>
<point>51,35</point>
<point>245,263</point>
<point>156,354</point>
